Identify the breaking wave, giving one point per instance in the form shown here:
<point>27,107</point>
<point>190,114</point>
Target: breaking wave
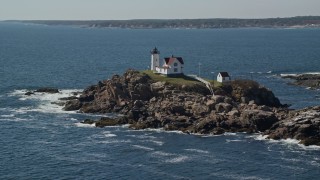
<point>45,102</point>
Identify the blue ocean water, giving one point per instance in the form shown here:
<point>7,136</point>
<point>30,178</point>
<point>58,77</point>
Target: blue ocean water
<point>40,141</point>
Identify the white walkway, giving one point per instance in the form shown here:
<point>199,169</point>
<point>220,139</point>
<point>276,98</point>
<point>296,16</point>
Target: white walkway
<point>207,83</point>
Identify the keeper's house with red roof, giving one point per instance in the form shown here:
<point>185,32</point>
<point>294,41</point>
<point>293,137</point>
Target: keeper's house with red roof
<point>170,66</point>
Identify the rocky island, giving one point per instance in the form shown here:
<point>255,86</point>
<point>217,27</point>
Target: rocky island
<point>310,80</point>
<point>149,101</point>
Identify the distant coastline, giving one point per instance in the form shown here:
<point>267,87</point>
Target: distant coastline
<point>217,23</point>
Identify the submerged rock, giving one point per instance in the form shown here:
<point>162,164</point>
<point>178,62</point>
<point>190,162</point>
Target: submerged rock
<point>29,93</point>
<point>47,90</point>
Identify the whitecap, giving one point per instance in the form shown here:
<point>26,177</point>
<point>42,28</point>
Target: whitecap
<point>15,119</point>
<point>290,141</point>
<point>16,92</point>
<point>143,147</point>
<point>110,135</point>
<point>289,75</point>
<point>260,137</point>
<point>125,125</point>
<point>230,175</point>
<point>291,159</point>
<point>159,143</point>
<point>310,147</point>
<point>314,163</point>
<point>209,135</point>
<point>73,119</point>
<point>161,153</point>
<point>7,115</point>
<point>312,73</point>
<point>114,141</point>
<point>229,134</point>
<point>269,72</point>
<point>85,125</point>
<point>45,100</point>
<point>198,151</point>
<point>176,132</point>
<point>234,140</point>
<point>145,136</point>
<point>178,159</point>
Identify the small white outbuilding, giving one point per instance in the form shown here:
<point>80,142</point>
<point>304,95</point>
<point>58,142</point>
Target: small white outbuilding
<point>223,77</point>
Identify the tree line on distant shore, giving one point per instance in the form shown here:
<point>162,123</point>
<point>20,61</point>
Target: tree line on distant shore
<point>300,21</point>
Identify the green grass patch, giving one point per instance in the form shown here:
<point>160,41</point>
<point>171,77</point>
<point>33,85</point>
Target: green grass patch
<point>215,83</point>
<point>178,80</point>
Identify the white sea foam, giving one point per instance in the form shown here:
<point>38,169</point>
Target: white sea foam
<point>198,151</point>
<point>288,141</point>
<point>114,141</point>
<point>312,73</point>
<point>158,130</point>
<point>159,143</point>
<point>178,159</point>
<point>169,157</point>
<point>297,75</point>
<point>230,175</point>
<point>145,136</point>
<point>143,147</point>
<point>161,153</point>
<point>22,110</point>
<point>7,115</point>
<point>125,126</point>
<point>234,140</point>
<point>108,134</point>
<point>291,159</point>
<point>45,100</point>
<point>85,125</point>
<point>73,119</point>
<point>14,119</point>
<point>311,147</point>
<point>230,134</point>
<point>208,136</point>
<point>260,137</point>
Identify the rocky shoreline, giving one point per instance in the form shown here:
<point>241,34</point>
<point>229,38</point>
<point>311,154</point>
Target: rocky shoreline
<point>241,106</point>
<point>311,81</point>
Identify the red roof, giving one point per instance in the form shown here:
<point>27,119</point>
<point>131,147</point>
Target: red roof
<point>224,74</point>
<point>170,60</point>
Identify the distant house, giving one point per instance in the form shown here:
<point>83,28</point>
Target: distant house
<point>223,77</point>
<point>170,65</point>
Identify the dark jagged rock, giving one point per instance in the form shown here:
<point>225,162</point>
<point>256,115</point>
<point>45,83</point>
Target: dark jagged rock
<point>47,90</point>
<point>88,121</point>
<point>29,93</point>
<point>72,105</point>
<point>241,106</point>
<point>307,80</point>
<point>106,121</point>
<point>68,98</point>
<point>246,90</point>
<point>303,125</point>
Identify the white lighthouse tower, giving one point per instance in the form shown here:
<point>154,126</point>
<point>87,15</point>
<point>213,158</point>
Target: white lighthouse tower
<point>155,59</point>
